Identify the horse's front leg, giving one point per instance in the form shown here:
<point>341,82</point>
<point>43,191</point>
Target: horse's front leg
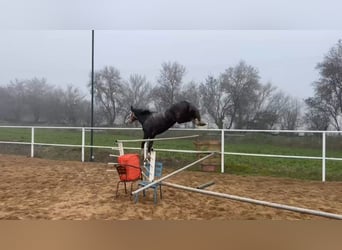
<point>149,146</point>
<point>143,144</point>
<point>146,155</point>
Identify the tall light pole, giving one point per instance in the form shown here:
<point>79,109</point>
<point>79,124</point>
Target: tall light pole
<point>92,99</point>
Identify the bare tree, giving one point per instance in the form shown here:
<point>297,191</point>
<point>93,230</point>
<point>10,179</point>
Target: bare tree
<point>265,112</point>
<point>290,113</point>
<point>16,105</point>
<point>316,117</point>
<point>73,105</point>
<point>328,89</point>
<point>5,100</point>
<point>27,99</point>
<point>190,92</point>
<point>136,93</point>
<point>108,88</point>
<point>237,99</point>
<point>54,108</point>
<point>169,85</point>
<point>241,83</point>
<point>36,91</point>
<point>215,101</point>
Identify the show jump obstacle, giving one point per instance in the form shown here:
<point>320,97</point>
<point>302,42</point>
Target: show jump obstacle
<point>151,161</point>
<point>149,158</point>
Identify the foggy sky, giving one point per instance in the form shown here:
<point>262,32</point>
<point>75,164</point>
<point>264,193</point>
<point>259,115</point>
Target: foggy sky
<point>171,14</point>
<point>287,59</point>
<point>284,40</point>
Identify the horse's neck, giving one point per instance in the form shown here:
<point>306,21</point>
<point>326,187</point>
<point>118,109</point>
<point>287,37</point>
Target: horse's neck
<point>143,118</point>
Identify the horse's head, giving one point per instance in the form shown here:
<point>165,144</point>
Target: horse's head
<point>131,116</point>
<point>138,115</point>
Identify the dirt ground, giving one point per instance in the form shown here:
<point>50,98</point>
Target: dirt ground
<point>32,188</point>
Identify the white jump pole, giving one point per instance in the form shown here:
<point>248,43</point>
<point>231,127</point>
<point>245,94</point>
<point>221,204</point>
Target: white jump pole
<point>257,202</point>
<point>32,142</point>
<point>171,174</point>
<point>159,139</point>
<point>83,144</point>
<point>323,155</point>
<point>152,162</point>
<point>121,148</point>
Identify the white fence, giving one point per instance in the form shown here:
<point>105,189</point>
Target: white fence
<point>222,132</point>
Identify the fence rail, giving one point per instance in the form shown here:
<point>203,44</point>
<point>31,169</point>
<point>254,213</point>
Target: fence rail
<point>222,152</point>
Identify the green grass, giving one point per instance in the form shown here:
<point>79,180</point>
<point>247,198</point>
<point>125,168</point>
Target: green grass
<point>19,134</point>
<point>285,144</point>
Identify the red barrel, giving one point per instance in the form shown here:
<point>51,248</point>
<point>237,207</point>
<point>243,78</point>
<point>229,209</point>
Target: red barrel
<point>132,163</point>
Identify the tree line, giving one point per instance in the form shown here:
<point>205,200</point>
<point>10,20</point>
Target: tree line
<point>35,101</point>
<point>235,98</point>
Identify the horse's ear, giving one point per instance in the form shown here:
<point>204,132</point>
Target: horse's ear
<point>131,108</point>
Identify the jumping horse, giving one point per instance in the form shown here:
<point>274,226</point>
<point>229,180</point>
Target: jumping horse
<point>156,123</point>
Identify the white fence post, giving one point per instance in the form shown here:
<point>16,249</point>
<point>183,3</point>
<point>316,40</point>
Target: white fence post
<point>32,142</point>
<point>222,151</point>
<point>83,143</point>
<point>323,155</point>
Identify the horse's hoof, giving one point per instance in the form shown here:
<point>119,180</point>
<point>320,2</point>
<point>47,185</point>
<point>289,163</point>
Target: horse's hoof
<point>199,122</point>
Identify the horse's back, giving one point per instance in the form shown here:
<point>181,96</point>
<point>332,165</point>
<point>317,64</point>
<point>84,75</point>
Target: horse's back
<point>157,124</point>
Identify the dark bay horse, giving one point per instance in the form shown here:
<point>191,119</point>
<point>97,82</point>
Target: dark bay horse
<point>156,123</point>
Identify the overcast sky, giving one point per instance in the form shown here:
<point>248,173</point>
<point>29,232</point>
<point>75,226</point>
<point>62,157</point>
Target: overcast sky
<point>284,40</point>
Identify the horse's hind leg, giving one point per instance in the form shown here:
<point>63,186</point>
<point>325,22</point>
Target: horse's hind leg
<point>143,145</point>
